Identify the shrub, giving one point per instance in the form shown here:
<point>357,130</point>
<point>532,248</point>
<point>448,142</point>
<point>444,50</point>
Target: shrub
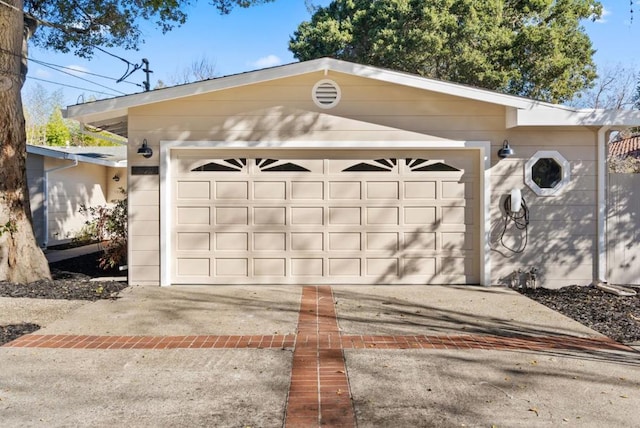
<point>108,223</point>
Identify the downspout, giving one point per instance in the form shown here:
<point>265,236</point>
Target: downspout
<point>67,156</point>
<point>601,265</point>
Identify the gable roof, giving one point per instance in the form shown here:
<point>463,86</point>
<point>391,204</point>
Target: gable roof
<point>113,156</point>
<point>112,114</point>
<point>626,147</point>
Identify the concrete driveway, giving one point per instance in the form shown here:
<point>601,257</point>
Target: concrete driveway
<point>311,356</point>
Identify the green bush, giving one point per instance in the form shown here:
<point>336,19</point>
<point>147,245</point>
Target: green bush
<point>108,224</point>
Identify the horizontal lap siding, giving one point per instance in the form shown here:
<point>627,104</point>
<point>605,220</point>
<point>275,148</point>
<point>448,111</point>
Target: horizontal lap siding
<point>376,111</point>
<point>69,190</point>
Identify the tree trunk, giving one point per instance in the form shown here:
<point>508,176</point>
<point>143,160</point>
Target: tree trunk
<point>21,260</point>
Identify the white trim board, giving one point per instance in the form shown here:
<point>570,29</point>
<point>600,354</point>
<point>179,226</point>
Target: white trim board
<point>166,219</point>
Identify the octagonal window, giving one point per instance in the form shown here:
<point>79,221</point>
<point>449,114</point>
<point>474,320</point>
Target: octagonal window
<point>546,172</point>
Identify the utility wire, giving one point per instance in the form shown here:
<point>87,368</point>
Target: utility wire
<point>37,61</point>
<point>59,68</point>
<point>127,73</point>
<point>71,86</point>
<point>86,80</point>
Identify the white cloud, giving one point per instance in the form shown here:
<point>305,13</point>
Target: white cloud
<point>603,17</point>
<point>267,61</point>
<point>42,74</point>
<point>76,70</point>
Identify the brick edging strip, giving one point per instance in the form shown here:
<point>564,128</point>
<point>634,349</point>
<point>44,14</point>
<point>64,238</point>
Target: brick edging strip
<point>319,392</point>
<point>324,340</point>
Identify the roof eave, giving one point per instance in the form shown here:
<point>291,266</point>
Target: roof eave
<point>59,154</point>
<point>562,117</point>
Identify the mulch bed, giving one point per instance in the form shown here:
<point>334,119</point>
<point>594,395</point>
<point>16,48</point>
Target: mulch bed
<point>614,316</point>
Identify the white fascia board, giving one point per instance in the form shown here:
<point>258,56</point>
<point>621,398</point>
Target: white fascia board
<point>105,109</point>
<point>564,117</point>
<point>59,154</point>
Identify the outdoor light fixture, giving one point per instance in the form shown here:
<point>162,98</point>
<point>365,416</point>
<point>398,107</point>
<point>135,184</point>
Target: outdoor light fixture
<point>145,150</point>
<point>504,152</point>
<point>116,178</point>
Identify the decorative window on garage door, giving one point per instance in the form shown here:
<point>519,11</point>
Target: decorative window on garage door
<point>260,164</point>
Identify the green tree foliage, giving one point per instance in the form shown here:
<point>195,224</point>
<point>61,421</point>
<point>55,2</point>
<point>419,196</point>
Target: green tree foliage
<point>532,48</point>
<point>78,26</point>
<point>57,131</point>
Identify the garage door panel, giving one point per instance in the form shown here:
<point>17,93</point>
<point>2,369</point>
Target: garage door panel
<point>345,241</point>
<point>273,219</point>
<point>270,216</point>
<point>345,215</point>
<point>301,241</point>
<point>193,215</point>
<point>232,241</point>
<point>383,267</point>
<point>270,190</point>
<point>420,215</point>
<point>197,241</point>
<point>194,266</point>
<point>383,215</point>
<point>194,190</point>
<point>307,216</point>
<point>345,267</point>
<point>382,241</point>
<point>269,267</point>
<point>307,190</point>
<point>420,190</point>
<point>345,190</point>
<point>233,190</point>
<point>385,190</point>
<point>269,241</point>
<point>234,267</point>
<point>232,216</point>
<point>307,267</point>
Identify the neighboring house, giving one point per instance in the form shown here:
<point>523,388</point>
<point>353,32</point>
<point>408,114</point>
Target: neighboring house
<point>625,147</point>
<point>62,179</point>
<point>329,172</point>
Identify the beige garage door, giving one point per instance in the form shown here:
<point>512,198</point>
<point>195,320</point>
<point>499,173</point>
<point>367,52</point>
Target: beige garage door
<point>318,217</point>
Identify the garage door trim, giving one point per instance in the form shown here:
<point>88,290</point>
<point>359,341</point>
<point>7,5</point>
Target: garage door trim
<point>166,148</point>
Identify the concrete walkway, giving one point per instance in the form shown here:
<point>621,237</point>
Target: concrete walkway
<point>311,356</point>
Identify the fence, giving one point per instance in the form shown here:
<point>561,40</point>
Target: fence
<point>623,229</point>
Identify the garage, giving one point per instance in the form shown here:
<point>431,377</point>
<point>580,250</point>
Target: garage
<point>316,216</point>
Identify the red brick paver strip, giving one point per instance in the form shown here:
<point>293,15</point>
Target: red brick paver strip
<point>319,393</point>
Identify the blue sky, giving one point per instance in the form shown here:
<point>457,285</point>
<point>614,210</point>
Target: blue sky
<point>257,37</point>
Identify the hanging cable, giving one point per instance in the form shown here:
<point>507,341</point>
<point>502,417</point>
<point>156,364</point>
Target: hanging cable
<point>130,66</point>
<point>70,86</point>
<point>86,80</point>
<point>59,68</point>
<point>81,71</point>
<point>520,220</point>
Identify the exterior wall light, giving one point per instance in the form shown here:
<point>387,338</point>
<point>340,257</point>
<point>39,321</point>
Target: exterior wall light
<point>145,150</point>
<point>116,178</point>
<point>505,151</point>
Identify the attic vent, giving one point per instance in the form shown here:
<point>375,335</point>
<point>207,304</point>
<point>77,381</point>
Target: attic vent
<point>326,93</point>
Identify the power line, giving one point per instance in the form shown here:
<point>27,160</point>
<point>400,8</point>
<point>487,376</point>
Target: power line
<point>37,61</point>
<point>71,86</point>
<point>86,80</point>
<point>59,68</point>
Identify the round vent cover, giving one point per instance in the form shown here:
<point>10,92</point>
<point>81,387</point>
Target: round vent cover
<point>326,93</point>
